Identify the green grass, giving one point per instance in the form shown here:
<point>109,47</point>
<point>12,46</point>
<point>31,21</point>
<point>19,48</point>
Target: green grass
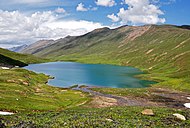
<point>114,117</point>
<point>8,61</point>
<point>26,91</point>
<point>24,58</point>
<point>163,52</point>
<point>134,92</point>
<point>39,105</point>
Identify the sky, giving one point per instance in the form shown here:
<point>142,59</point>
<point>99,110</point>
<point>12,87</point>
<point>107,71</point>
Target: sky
<point>27,21</point>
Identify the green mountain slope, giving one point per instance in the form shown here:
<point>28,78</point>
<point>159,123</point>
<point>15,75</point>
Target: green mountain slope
<point>6,61</point>
<point>8,58</point>
<point>163,51</point>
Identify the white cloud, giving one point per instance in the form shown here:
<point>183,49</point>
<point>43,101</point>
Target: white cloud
<point>106,3</point>
<point>80,7</point>
<point>94,8</point>
<point>72,24</point>
<point>60,10</point>
<point>137,2</point>
<point>140,12</point>
<point>113,18</point>
<point>30,1</point>
<point>165,2</point>
<point>18,28</point>
<point>31,5</point>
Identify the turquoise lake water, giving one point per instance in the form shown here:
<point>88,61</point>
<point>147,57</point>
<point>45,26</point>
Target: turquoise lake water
<point>70,73</point>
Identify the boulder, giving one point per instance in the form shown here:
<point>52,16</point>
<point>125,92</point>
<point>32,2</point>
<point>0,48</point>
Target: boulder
<point>25,83</point>
<point>148,112</point>
<point>110,120</point>
<point>187,105</point>
<point>5,68</point>
<point>179,116</point>
<point>5,113</point>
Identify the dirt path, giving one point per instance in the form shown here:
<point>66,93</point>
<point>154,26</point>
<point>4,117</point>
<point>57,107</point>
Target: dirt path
<point>120,100</point>
<point>157,97</point>
<point>106,100</point>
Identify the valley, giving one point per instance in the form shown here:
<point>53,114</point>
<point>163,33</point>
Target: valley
<point>160,51</point>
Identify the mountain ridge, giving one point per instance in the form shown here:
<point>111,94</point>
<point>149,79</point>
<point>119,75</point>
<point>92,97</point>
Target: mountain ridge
<point>37,46</point>
<point>161,50</point>
<point>18,48</point>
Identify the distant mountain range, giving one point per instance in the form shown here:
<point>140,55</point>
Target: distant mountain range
<point>19,48</point>
<point>37,46</point>
<point>33,48</point>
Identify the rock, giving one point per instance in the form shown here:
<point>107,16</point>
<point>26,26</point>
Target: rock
<point>6,68</point>
<point>6,113</point>
<point>12,81</point>
<point>187,105</point>
<point>110,120</point>
<point>148,112</point>
<point>179,116</point>
<point>25,83</point>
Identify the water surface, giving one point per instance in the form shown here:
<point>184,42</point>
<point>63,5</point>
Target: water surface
<point>70,73</point>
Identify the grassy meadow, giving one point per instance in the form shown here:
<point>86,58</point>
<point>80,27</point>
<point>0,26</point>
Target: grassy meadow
<point>26,91</point>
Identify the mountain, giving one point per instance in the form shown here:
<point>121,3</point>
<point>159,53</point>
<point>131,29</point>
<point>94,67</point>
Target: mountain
<point>37,46</point>
<point>19,48</point>
<point>11,59</point>
<point>161,50</point>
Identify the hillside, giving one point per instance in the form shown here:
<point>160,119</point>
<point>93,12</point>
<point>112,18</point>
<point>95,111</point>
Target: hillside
<point>26,91</point>
<point>9,58</point>
<point>8,62</point>
<point>161,50</point>
<point>37,46</point>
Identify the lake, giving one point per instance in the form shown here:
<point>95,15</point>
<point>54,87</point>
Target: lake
<point>71,73</point>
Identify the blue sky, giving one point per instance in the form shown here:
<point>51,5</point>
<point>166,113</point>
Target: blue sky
<point>177,13</point>
<point>26,21</point>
